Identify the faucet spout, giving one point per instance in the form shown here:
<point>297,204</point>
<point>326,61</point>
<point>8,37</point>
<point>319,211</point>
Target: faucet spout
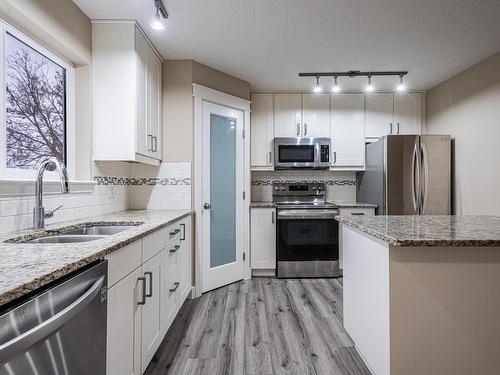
<point>50,163</point>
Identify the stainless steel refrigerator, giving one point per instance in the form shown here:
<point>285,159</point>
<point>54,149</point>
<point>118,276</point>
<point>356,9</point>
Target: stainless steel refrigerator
<point>407,175</point>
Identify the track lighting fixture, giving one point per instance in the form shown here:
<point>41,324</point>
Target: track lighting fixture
<point>317,89</point>
<point>369,86</point>
<point>160,15</point>
<point>401,87</point>
<point>335,87</point>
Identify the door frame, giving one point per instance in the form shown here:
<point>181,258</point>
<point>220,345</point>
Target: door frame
<point>201,94</point>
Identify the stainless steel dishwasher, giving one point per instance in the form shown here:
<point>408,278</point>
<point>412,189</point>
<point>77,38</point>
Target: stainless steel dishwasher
<point>61,330</point>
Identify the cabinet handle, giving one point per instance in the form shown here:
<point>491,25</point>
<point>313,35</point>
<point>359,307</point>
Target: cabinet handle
<point>176,285</point>
<point>357,213</point>
<point>183,235</point>
<point>390,124</point>
<point>272,217</point>
<point>298,129</point>
<point>150,274</point>
<point>175,232</point>
<point>269,157</point>
<point>397,127</point>
<point>174,250</point>
<point>305,129</point>
<point>143,300</point>
<point>334,157</point>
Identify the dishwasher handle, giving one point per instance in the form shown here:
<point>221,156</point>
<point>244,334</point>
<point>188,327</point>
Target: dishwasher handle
<point>20,343</point>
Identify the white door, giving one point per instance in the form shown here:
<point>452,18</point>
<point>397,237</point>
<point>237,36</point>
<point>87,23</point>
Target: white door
<point>348,130</point>
<point>262,131</point>
<point>263,238</point>
<point>379,115</point>
<point>222,196</point>
<point>316,115</point>
<point>288,115</point>
<point>407,113</point>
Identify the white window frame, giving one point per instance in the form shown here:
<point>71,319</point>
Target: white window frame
<point>12,174</point>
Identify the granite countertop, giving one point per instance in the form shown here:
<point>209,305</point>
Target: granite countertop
<point>430,231</point>
<point>341,204</point>
<point>262,205</point>
<point>24,267</point>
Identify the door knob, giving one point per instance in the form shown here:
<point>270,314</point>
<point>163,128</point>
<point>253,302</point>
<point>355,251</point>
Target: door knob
<point>207,206</point>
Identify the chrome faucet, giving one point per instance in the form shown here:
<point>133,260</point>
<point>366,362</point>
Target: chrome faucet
<point>51,163</point>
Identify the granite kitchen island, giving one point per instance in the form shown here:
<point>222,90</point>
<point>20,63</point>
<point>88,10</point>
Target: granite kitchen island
<point>422,293</point>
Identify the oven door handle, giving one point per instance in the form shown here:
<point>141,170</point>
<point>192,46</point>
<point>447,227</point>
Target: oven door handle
<point>307,214</point>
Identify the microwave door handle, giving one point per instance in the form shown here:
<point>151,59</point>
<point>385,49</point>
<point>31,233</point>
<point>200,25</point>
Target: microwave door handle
<point>317,156</point>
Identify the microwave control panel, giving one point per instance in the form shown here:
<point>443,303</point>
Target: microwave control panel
<point>325,153</point>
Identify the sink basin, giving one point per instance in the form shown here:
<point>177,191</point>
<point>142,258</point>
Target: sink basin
<point>66,239</point>
<point>98,230</point>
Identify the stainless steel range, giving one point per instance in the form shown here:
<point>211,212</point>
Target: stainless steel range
<point>307,232</point>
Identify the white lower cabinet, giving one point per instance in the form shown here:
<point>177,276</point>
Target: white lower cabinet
<point>144,302</point>
<point>263,238</point>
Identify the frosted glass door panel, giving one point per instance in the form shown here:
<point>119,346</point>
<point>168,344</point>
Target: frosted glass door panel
<point>222,190</point>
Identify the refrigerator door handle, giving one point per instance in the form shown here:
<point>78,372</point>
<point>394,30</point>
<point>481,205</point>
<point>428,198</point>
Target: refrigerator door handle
<point>424,179</point>
<point>415,185</point>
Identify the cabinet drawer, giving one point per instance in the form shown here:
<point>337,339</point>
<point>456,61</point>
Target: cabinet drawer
<point>172,251</point>
<point>123,261</point>
<point>154,243</point>
<point>366,211</point>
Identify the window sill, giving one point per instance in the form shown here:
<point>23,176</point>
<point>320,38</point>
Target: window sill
<point>12,188</point>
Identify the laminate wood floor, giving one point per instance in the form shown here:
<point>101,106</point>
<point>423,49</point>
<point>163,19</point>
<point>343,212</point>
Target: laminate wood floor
<point>261,326</point>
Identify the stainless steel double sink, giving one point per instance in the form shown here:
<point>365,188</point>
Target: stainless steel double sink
<point>82,234</point>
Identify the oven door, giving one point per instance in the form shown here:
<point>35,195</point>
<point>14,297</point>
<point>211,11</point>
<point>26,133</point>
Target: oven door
<point>307,243</point>
<point>296,153</point>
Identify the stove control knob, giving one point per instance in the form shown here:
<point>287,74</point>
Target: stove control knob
<point>283,188</point>
<point>321,188</point>
<point>276,188</point>
<point>314,188</point>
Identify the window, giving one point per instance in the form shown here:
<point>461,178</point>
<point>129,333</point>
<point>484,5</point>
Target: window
<point>36,107</point>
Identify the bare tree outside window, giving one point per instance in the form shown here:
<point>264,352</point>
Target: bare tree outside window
<point>35,113</point>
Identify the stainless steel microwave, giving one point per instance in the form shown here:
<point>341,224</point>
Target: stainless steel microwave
<point>301,152</point>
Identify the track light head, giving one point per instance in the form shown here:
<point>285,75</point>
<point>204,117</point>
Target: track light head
<point>401,86</point>
<point>369,87</point>
<point>160,15</point>
<point>317,89</point>
<point>335,87</point>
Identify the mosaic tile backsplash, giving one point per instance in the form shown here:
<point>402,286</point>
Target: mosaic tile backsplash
<point>340,186</point>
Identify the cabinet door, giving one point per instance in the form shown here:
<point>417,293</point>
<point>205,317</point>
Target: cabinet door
<point>379,115</point>
<point>348,130</point>
<point>123,353</point>
<point>288,115</point>
<point>408,113</point>
<point>184,260</point>
<point>316,115</point>
<point>151,315</point>
<point>262,131</point>
<point>141,96</point>
<point>154,104</point>
<point>263,238</point>
<point>170,275</point>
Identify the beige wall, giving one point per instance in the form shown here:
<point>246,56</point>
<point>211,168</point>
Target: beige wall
<point>65,30</point>
<point>467,106</point>
<point>178,112</point>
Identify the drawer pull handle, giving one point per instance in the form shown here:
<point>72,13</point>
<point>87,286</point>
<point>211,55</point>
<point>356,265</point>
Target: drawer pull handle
<point>176,247</point>
<point>143,301</point>
<point>150,274</point>
<point>357,213</point>
<point>175,232</point>
<point>176,285</point>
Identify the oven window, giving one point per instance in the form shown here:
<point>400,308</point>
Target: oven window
<point>308,239</point>
<point>296,153</point>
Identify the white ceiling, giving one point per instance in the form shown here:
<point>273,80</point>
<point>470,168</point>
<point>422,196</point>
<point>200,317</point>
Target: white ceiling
<point>268,42</point>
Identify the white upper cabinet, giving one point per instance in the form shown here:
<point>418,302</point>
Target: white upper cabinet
<point>348,131</point>
<point>288,115</point>
<point>126,75</point>
<point>316,115</point>
<point>379,115</point>
<point>262,131</point>
<point>407,113</point>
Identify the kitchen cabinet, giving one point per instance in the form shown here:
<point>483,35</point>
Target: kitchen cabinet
<point>379,114</point>
<point>263,238</point>
<point>144,299</point>
<point>123,354</point>
<point>262,132</point>
<point>408,113</point>
<point>126,80</point>
<point>288,115</point>
<point>357,211</point>
<point>348,131</point>
<point>316,115</point>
